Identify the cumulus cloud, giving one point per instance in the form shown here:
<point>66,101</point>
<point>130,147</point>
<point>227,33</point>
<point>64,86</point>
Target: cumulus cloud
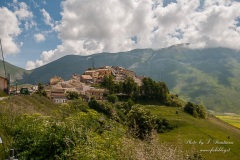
<point>22,10</point>
<point>9,29</point>
<point>39,37</point>
<point>31,64</point>
<point>10,21</point>
<point>47,18</point>
<point>92,26</point>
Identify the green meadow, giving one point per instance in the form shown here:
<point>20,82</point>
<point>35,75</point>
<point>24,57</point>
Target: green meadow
<point>231,119</point>
<point>212,137</point>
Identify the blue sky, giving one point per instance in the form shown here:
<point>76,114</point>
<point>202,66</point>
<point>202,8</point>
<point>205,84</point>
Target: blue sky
<point>30,48</point>
<point>35,33</point>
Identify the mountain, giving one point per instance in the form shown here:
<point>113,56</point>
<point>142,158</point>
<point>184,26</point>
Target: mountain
<point>207,76</point>
<point>15,72</point>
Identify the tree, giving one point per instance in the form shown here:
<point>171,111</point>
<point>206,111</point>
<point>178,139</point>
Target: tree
<point>118,87</point>
<point>189,108</point>
<point>153,90</point>
<point>109,83</point>
<point>164,91</point>
<point>112,98</point>
<point>41,90</point>
<point>197,111</point>
<point>202,112</point>
<point>130,87</point>
<point>146,88</point>
<point>72,95</point>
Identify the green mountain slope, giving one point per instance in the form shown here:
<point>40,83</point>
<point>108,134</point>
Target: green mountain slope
<point>15,72</point>
<point>209,76</point>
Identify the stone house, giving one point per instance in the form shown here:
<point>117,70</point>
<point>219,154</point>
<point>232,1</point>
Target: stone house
<point>86,78</point>
<point>92,73</point>
<point>99,94</point>
<point>58,96</point>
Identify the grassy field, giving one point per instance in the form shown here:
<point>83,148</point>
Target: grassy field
<point>200,135</point>
<point>231,119</point>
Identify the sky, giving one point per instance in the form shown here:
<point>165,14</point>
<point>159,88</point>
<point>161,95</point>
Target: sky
<point>36,32</point>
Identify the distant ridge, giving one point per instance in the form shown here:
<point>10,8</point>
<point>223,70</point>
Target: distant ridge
<point>15,72</point>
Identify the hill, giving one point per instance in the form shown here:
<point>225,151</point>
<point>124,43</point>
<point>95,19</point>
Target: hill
<point>15,72</point>
<point>207,76</point>
<point>74,131</point>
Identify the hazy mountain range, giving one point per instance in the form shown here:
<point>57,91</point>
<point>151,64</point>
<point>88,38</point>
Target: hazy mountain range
<point>208,76</point>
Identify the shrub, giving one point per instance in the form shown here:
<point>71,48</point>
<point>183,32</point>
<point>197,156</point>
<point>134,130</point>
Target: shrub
<point>104,108</point>
<point>140,122</point>
<point>197,111</point>
<point>35,137</point>
<point>164,125</point>
<point>78,104</point>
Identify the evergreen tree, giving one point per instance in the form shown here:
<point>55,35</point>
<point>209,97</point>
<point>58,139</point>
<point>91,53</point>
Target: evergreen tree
<point>130,87</point>
<point>72,95</point>
<point>41,90</point>
<point>108,82</point>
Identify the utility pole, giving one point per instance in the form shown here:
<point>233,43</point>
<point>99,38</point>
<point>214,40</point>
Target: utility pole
<point>16,87</point>
<point>3,59</point>
<point>93,64</point>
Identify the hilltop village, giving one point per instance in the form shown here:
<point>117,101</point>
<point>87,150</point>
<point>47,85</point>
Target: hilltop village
<point>86,85</point>
<point>101,83</point>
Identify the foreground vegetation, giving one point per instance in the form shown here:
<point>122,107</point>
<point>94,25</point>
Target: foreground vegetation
<point>39,129</point>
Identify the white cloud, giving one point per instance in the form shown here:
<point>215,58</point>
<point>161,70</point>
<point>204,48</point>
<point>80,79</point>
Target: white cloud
<point>39,37</point>
<point>47,18</point>
<point>10,22</point>
<point>22,10</point>
<point>9,30</point>
<point>31,64</point>
<point>29,24</point>
<point>94,26</point>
